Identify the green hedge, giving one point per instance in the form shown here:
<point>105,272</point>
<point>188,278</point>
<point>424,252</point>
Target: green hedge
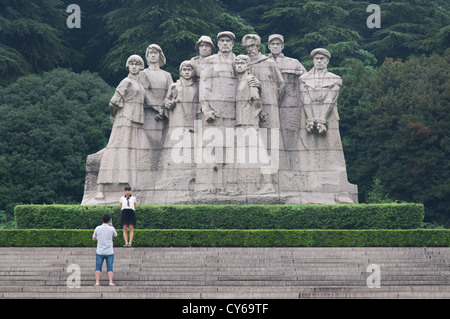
<point>233,238</point>
<point>357,216</point>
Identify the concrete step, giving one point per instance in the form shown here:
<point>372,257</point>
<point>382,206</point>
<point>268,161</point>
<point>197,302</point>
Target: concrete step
<point>233,296</point>
<point>233,273</point>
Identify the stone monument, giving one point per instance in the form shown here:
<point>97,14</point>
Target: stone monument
<point>119,161</point>
<point>320,155</point>
<point>248,118</point>
<point>177,153</point>
<point>290,108</point>
<point>251,129</point>
<point>215,173</point>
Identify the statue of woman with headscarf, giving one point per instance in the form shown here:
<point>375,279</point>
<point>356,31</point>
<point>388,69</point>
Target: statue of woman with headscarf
<point>119,163</point>
<point>156,83</point>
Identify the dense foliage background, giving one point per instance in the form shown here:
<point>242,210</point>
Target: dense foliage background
<point>55,84</point>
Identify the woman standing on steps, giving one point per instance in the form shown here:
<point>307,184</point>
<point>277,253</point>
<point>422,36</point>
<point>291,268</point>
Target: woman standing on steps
<point>128,216</point>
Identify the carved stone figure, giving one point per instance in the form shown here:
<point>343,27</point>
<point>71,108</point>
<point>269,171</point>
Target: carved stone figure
<point>182,109</point>
<point>217,97</point>
<point>205,47</point>
<point>156,83</point>
<point>251,129</point>
<point>321,155</point>
<point>320,90</point>
<point>272,91</point>
<point>272,82</point>
<point>248,96</point>
<point>218,82</point>
<point>291,69</point>
<point>181,101</point>
<point>248,117</point>
<point>120,161</point>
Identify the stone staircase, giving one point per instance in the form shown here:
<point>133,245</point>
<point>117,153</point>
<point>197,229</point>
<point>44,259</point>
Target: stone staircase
<point>228,273</point>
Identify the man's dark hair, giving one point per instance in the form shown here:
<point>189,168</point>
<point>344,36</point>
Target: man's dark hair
<point>106,218</point>
<point>127,188</point>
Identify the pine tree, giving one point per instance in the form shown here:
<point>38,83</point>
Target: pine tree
<point>307,25</point>
<point>410,27</point>
<point>174,25</point>
<point>31,38</point>
<point>377,194</point>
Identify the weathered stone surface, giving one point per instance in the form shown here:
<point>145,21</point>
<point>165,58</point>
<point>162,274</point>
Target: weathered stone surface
<point>249,129</point>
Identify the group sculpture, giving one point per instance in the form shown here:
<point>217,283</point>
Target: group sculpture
<point>249,129</point>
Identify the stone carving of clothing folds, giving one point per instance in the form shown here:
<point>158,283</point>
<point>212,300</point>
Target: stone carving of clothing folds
<point>218,86</point>
<point>156,82</point>
<point>217,97</point>
<point>322,159</point>
<point>291,69</point>
<point>320,92</point>
<point>120,161</point>
<point>272,88</point>
<point>182,109</point>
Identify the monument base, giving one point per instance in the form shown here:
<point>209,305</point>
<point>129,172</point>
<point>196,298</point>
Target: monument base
<point>154,197</point>
<point>313,187</point>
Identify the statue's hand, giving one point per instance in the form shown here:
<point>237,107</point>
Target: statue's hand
<point>263,117</point>
<point>160,115</point>
<point>210,116</point>
<point>309,126</point>
<point>169,105</point>
<point>322,128</point>
<point>254,82</point>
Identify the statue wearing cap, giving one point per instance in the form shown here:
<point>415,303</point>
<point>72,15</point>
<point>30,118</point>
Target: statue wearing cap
<point>288,66</point>
<point>319,91</point>
<point>272,91</point>
<point>205,47</point>
<point>218,80</point>
<point>291,69</point>
<point>321,157</point>
<point>272,82</point>
<point>217,97</point>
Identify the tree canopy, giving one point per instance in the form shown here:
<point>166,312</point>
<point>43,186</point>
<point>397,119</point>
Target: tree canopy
<point>395,123</point>
<point>32,38</point>
<point>49,123</point>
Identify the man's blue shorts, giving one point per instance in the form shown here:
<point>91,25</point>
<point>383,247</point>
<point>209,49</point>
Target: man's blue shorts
<point>99,262</point>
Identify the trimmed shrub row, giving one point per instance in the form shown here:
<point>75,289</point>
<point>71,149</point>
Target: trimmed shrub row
<point>233,238</point>
<point>356,216</point>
